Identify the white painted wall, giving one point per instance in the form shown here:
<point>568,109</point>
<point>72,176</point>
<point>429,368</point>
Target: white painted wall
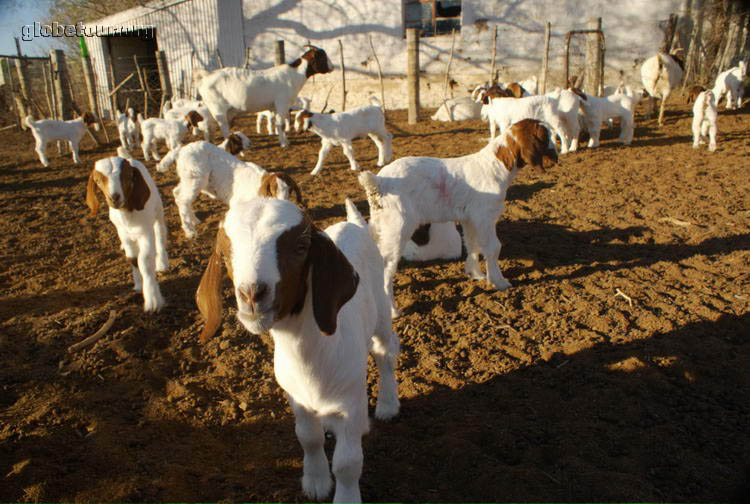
<point>631,30</point>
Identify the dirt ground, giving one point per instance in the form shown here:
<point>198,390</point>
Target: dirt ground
<point>557,389</point>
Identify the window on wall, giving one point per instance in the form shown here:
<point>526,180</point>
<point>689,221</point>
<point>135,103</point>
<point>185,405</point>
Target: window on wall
<point>432,17</point>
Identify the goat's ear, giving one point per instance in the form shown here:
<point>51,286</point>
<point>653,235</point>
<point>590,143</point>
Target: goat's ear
<point>91,200</point>
<point>234,144</point>
<point>208,295</point>
<point>334,281</point>
<point>293,187</point>
<point>139,191</point>
<point>194,118</point>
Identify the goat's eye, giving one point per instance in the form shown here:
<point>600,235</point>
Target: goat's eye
<point>301,248</point>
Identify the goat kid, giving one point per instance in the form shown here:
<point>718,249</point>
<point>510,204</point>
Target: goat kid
<point>342,127</point>
<point>128,129</point>
<point>705,115</point>
<point>471,189</point>
<point>598,109</point>
<point>231,90</point>
<point>173,132</point>
<point>205,168</point>
<point>320,296</point>
<point>136,210</point>
<point>731,83</point>
<point>48,130</point>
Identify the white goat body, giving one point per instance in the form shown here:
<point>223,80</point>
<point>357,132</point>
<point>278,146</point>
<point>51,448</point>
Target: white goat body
<point>320,296</point>
<point>342,127</point>
<point>705,116</point>
<point>178,112</point>
<point>471,189</point>
<point>463,108</point>
<point>660,74</point>
<point>241,90</point>
<point>135,209</point>
<point>170,130</point>
<point>598,109</point>
<point>443,242</point>
<point>205,168</point>
<point>731,83</point>
<point>48,130</point>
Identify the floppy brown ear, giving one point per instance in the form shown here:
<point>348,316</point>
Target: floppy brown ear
<point>139,192</point>
<point>91,200</point>
<point>533,143</point>
<point>208,295</point>
<point>194,118</point>
<point>334,281</point>
<point>234,144</point>
<point>293,186</point>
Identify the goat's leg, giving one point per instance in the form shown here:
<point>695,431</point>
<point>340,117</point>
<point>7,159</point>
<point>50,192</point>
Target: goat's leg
<point>490,246</point>
<point>259,123</point>
<point>493,127</point>
<point>282,109</point>
<point>152,299</point>
<point>348,459</point>
<point>325,146</point>
<point>184,194</point>
<point>385,350</point>
<point>160,232</point>
<point>41,150</point>
<point>471,267</point>
<point>381,147</point>
<point>316,477</point>
<point>74,150</point>
<point>131,254</point>
<point>663,106</point>
<point>146,147</point>
<point>346,146</point>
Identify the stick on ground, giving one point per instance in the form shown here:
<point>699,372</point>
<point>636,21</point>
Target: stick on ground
<point>96,336</point>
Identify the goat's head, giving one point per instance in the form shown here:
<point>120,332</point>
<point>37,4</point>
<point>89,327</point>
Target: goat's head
<point>527,142</point>
<point>89,118</point>
<point>516,89</point>
<point>122,184</point>
<point>302,120</point>
<point>279,185</point>
<point>318,61</point>
<point>274,255</point>
<point>578,92</point>
<point>236,143</point>
<point>193,118</point>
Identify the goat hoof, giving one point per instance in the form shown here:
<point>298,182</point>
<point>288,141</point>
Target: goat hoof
<point>395,312</point>
<point>317,488</point>
<point>386,410</point>
<point>502,284</point>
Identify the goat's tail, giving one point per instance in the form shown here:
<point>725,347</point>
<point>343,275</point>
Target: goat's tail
<point>29,122</point>
<point>369,183</point>
<point>168,160</point>
<point>353,215</point>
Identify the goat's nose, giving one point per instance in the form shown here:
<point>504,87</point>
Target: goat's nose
<point>253,294</point>
<point>116,199</point>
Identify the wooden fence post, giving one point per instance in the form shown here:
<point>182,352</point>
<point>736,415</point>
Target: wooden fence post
<point>343,77</point>
<point>545,56</point>
<point>23,101</point>
<point>412,73</point>
<point>164,82</point>
<point>60,84</point>
<point>494,57</point>
<point>380,75</point>
<point>279,56</point>
<point>693,55</point>
<point>593,58</point>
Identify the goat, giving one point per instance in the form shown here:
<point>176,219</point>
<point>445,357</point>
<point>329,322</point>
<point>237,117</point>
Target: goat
<point>660,74</point>
<point>439,240</point>
<point>705,116</point>
<point>462,108</point>
<point>272,127</point>
<point>231,90</point>
<point>136,210</point>
<point>173,132</point>
<point>48,130</point>
<point>128,128</point>
<point>598,109</point>
<point>342,127</point>
<point>320,296</point>
<point>731,83</point>
<point>205,168</point>
<point>471,189</point>
<point>207,126</point>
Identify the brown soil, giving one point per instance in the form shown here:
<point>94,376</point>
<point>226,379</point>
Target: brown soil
<point>554,390</point>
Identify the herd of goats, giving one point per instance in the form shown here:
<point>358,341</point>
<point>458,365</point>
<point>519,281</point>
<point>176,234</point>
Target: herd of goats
<point>326,296</point>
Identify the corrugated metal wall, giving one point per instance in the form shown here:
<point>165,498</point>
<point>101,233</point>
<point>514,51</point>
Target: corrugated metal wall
<point>191,32</point>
